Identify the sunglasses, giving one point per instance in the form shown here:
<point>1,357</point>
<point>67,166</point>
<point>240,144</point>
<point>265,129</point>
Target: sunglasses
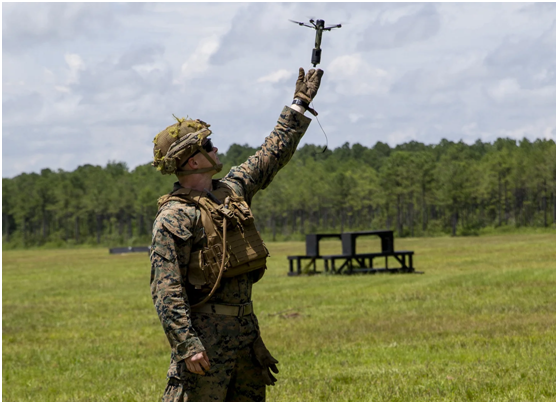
<point>207,146</point>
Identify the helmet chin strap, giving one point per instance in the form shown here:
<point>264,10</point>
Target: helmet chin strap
<point>214,166</point>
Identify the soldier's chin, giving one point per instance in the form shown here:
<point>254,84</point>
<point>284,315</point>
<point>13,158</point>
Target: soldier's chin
<point>217,169</point>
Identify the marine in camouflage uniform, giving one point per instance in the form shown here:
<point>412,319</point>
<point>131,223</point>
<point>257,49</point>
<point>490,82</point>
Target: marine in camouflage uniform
<point>239,364</point>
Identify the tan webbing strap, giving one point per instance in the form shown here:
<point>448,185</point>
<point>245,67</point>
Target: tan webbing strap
<point>194,196</point>
<point>214,165</point>
<point>207,156</point>
<point>236,310</point>
<point>222,269</point>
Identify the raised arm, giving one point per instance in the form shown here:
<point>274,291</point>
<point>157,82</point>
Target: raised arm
<point>259,170</point>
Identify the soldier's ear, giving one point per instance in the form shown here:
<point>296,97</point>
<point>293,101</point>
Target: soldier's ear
<point>193,163</point>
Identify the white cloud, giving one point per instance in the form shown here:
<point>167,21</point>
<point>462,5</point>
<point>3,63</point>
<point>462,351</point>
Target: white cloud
<point>401,25</point>
<point>354,118</point>
<point>542,75</point>
<point>14,84</point>
<point>354,76</point>
<point>197,63</point>
<point>395,72</point>
<point>540,129</point>
<point>145,69</point>
<point>38,24</point>
<point>76,64</point>
<point>470,132</point>
<point>401,136</point>
<point>509,90</point>
<point>276,76</point>
<point>504,89</point>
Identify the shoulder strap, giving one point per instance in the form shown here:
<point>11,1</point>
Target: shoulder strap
<point>199,198</point>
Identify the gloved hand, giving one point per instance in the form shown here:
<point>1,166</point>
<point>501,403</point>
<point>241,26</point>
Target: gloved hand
<point>266,361</point>
<point>307,86</point>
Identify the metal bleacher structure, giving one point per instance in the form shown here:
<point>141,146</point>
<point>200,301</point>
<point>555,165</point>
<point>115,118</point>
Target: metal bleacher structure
<point>349,262</point>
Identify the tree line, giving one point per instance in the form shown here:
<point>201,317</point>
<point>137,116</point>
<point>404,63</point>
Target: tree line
<point>413,189</point>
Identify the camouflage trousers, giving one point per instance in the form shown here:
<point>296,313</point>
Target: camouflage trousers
<point>234,375</point>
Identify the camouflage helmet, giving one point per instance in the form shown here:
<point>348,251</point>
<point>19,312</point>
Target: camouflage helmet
<point>177,143</point>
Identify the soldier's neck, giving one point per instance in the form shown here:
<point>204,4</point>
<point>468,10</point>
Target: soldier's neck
<point>198,182</point>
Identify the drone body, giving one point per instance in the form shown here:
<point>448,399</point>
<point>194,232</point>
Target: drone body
<point>319,26</point>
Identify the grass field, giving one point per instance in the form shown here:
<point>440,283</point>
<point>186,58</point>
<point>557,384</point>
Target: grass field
<point>478,325</point>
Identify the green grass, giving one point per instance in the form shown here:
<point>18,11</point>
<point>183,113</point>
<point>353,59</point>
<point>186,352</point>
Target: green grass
<point>478,325</point>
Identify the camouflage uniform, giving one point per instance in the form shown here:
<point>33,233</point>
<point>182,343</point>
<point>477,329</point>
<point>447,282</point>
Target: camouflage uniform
<point>234,375</point>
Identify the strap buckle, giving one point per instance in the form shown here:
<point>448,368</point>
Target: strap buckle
<point>242,310</point>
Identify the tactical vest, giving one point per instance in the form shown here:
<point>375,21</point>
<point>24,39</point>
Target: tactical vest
<point>245,249</point>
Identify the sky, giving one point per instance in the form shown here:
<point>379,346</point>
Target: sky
<point>89,83</point>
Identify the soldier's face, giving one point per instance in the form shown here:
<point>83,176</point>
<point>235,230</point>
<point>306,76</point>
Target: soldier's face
<point>214,155</point>
<point>201,162</point>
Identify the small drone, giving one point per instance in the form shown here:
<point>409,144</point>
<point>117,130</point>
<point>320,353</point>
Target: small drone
<point>319,26</point>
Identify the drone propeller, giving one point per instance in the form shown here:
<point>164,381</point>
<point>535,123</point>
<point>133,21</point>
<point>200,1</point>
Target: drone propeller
<point>302,24</point>
<point>319,26</point>
<point>333,26</point>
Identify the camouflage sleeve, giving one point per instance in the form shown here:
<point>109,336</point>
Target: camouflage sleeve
<point>172,241</point>
<point>259,170</point>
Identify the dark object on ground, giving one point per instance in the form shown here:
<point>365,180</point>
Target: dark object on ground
<point>125,250</point>
<point>351,262</point>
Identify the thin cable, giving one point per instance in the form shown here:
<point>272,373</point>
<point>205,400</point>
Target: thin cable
<point>223,258</point>
<point>327,141</point>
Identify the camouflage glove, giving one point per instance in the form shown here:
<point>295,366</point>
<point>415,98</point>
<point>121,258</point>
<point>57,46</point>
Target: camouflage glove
<point>266,361</point>
<point>307,86</point>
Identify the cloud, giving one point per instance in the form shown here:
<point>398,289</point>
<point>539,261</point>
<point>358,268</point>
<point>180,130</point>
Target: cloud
<point>254,28</point>
<point>536,9</point>
<point>62,89</point>
<point>401,136</point>
<point>21,109</point>
<point>198,62</point>
<point>140,55</point>
<point>26,26</point>
<point>539,129</point>
<point>354,118</point>
<point>126,86</point>
<point>351,75</point>
<point>531,60</point>
<point>509,91</point>
<point>399,25</point>
<point>504,89</point>
<point>276,76</point>
<point>87,82</point>
<point>75,63</point>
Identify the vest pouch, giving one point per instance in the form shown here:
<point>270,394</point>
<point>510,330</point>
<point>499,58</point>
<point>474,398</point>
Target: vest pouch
<point>195,271</point>
<point>242,210</point>
<point>204,267</point>
<point>216,217</point>
<point>245,246</point>
<point>247,252</point>
<point>212,257</point>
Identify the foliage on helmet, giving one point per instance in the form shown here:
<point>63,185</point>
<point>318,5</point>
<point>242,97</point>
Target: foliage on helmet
<point>176,143</point>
